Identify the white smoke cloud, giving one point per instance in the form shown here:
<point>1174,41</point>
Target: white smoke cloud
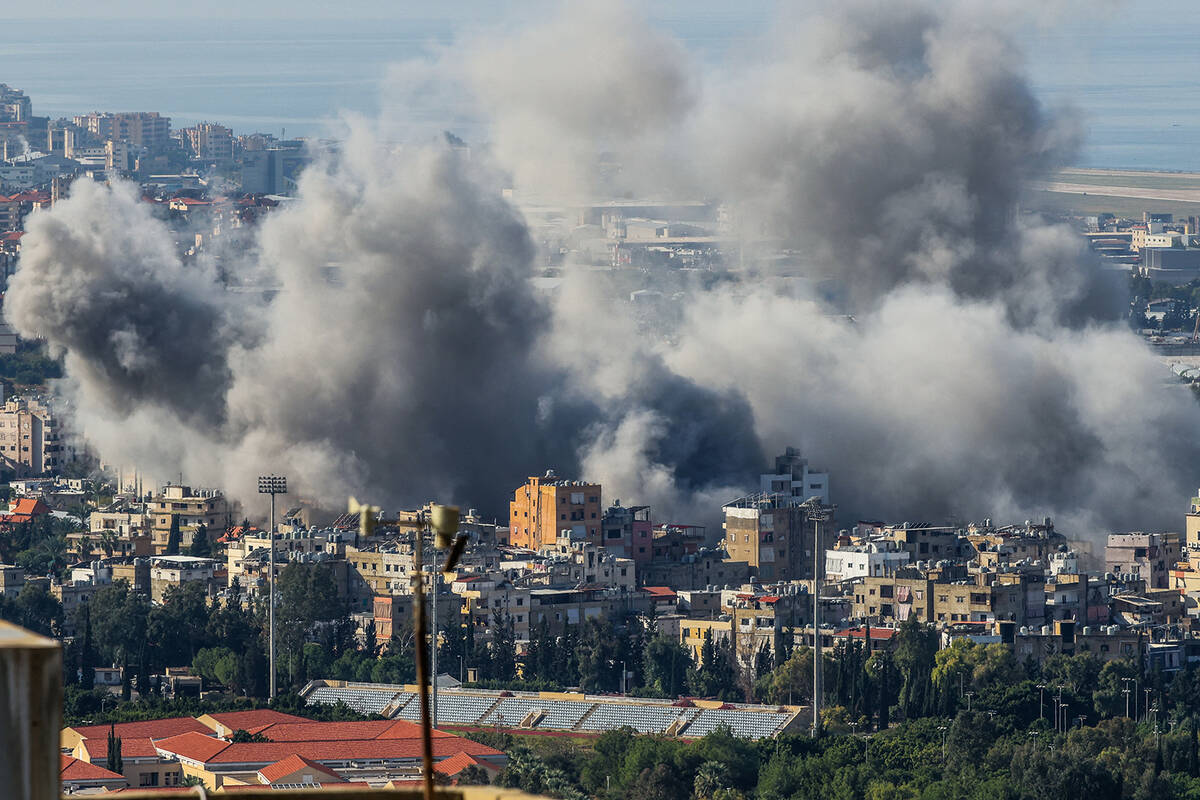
<point>406,356</point>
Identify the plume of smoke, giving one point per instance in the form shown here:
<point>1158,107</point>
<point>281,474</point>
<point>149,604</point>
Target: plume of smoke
<point>100,280</point>
<point>593,91</point>
<point>401,337</point>
<point>889,144</point>
<point>399,352</point>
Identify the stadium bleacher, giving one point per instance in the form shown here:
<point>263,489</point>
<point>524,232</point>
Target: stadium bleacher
<point>748,724</point>
<point>363,700</point>
<point>559,714</point>
<point>642,718</point>
<point>586,715</point>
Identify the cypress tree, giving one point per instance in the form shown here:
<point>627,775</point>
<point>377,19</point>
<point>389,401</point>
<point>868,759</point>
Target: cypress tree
<point>115,763</point>
<point>87,661</point>
<point>173,537</point>
<point>1192,754</point>
<point>200,547</point>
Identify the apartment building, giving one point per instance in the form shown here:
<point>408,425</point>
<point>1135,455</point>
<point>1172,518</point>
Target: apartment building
<point>193,508</point>
<point>628,531</point>
<point>1152,556</point>
<point>706,567</point>
<point>773,536</point>
<point>393,615</point>
<point>209,141</point>
<point>561,607</point>
<point>793,478</point>
<point>545,506</point>
<point>485,595</point>
<point>849,561</point>
<point>140,128</point>
<point>30,438</point>
<point>125,532</point>
<point>12,579</point>
<point>167,572</point>
<point>923,543</point>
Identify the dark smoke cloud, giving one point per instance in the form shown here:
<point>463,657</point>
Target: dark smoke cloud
<point>889,145</point>
<point>101,281</point>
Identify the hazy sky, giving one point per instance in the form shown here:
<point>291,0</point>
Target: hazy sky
<point>350,9</point>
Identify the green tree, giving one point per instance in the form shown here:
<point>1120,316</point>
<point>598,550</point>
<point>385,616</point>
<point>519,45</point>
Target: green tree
<point>1109,698</point>
<point>539,654</point>
<point>114,763</point>
<point>216,664</point>
<point>916,647</point>
<point>173,537</point>
<point>87,654</point>
<point>791,682</point>
<point>200,547</point>
<point>504,648</point>
<point>667,663</point>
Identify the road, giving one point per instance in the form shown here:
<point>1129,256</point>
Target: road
<point>1177,195</point>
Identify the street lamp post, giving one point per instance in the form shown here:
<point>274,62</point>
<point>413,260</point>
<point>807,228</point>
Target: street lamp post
<point>969,696</point>
<point>1041,701</point>
<point>272,485</point>
<point>1125,691</point>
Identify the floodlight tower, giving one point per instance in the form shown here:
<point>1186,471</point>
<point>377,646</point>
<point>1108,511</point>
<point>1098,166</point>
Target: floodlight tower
<point>818,513</point>
<point>272,485</point>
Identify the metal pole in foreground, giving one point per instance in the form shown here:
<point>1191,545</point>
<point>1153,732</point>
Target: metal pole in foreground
<point>422,663</point>
<point>433,654</point>
<point>272,485</point>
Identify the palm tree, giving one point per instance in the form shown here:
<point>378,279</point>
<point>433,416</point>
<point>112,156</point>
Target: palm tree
<point>85,546</point>
<point>108,540</point>
<point>54,548</point>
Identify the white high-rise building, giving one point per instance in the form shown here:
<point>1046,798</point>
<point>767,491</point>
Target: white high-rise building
<point>793,477</point>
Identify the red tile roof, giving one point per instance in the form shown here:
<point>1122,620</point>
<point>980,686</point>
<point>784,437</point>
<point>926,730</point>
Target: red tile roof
<point>256,718</point>
<point>876,633</point>
<point>74,770</point>
<point>660,591</point>
<point>460,761</point>
<point>151,729</point>
<point>25,510</point>
<point>293,763</point>
<point>309,731</point>
<point>198,748</point>
<point>193,745</point>
<point>250,788</point>
<point>131,747</point>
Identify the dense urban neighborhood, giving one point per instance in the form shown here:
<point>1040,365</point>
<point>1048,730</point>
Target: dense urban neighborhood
<point>609,494</point>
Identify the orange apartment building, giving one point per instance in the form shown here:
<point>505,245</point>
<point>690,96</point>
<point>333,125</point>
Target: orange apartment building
<point>547,505</point>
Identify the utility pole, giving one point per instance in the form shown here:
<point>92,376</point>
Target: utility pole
<point>272,485</point>
<point>433,653</point>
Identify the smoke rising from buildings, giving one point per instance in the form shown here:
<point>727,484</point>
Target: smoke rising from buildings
<point>886,147</point>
